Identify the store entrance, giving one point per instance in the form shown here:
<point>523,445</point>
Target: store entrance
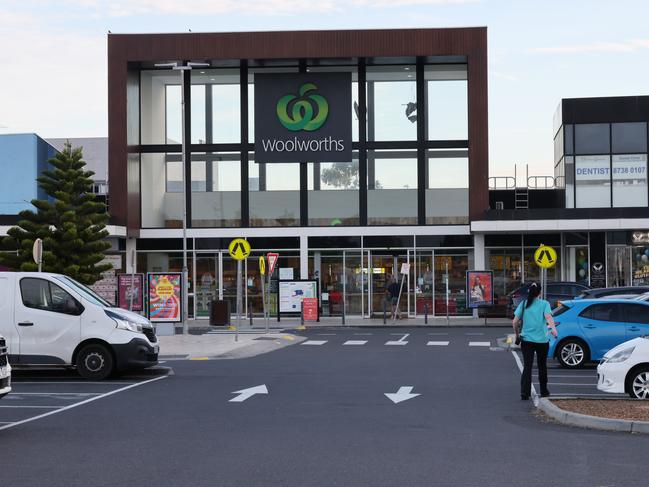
<point>385,271</point>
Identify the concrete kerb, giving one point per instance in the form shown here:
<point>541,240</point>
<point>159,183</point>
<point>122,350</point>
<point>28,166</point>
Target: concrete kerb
<point>585,421</point>
<point>223,346</point>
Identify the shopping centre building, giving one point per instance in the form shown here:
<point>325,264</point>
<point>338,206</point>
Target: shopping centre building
<point>350,153</point>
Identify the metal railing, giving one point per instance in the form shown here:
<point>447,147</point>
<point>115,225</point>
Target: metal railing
<point>502,182</point>
<point>541,182</point>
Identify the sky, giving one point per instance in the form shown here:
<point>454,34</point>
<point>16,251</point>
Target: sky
<point>53,55</point>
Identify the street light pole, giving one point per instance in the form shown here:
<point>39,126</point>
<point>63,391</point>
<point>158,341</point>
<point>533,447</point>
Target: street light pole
<point>184,69</point>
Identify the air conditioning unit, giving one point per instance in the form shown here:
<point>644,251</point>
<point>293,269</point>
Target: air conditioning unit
<point>500,205</point>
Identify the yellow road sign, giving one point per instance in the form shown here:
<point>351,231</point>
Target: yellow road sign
<point>239,249</point>
<point>262,265</point>
<point>545,257</point>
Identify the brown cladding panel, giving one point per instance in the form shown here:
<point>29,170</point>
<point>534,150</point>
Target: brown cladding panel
<point>125,48</point>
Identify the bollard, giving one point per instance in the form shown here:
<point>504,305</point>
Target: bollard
<point>250,312</point>
<point>302,313</point>
<point>343,311</point>
<point>385,317</point>
<point>425,313</point>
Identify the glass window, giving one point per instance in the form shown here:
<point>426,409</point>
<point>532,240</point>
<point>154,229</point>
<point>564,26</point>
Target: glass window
<point>629,137</point>
<point>391,103</point>
<point>570,181</point>
<point>333,193</point>
<point>447,190</point>
<point>592,138</point>
<point>392,187</point>
<point>47,296</point>
<point>161,190</point>
<point>174,176</point>
<point>275,198</point>
<point>569,139</point>
<point>198,109</point>
<point>199,176</point>
<point>593,179</point>
<point>447,99</point>
<point>603,312</point>
<point>630,180</point>
<point>219,204</point>
<point>637,313</point>
<point>160,110</point>
<point>558,146</point>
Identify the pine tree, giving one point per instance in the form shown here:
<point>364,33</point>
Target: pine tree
<point>71,223</point>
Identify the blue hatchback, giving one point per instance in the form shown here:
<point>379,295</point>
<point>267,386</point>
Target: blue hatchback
<point>588,328</point>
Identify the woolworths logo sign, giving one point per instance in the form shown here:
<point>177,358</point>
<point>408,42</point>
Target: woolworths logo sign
<point>308,112</point>
<point>303,117</point>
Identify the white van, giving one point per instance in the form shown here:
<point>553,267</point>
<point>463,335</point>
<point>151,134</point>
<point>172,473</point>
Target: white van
<point>5,369</point>
<point>51,320</point>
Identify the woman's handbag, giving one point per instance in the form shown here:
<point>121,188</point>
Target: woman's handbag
<point>520,327</point>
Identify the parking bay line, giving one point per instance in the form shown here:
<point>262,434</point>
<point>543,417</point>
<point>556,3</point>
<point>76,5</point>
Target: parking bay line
<point>479,344</point>
<point>81,403</point>
<point>355,342</point>
<point>18,393</point>
<point>31,407</point>
<point>314,342</point>
<point>73,381</point>
<point>437,344</point>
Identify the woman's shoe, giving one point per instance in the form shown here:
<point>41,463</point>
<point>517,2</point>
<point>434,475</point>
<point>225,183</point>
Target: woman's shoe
<point>525,397</point>
<point>545,394</point>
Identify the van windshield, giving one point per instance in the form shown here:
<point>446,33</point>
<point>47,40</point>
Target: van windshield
<point>86,292</point>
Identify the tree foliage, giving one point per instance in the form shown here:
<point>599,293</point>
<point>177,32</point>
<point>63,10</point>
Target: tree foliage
<point>71,223</point>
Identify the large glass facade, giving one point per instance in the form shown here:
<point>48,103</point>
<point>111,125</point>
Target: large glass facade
<point>229,188</point>
<point>603,165</point>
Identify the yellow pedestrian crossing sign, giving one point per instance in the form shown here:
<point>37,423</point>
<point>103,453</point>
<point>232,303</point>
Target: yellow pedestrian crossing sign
<point>545,257</point>
<point>262,265</point>
<point>239,249</point>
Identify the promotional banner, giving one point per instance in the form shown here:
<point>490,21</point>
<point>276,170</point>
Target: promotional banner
<point>165,296</point>
<point>130,286</point>
<point>480,288</point>
<point>303,117</point>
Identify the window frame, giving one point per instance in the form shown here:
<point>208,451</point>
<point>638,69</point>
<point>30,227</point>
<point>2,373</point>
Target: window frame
<point>79,309</point>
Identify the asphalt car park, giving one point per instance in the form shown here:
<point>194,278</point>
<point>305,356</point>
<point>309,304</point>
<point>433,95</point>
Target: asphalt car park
<point>37,394</point>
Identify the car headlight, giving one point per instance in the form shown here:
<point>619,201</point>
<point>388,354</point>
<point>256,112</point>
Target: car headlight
<point>620,356</point>
<point>123,323</point>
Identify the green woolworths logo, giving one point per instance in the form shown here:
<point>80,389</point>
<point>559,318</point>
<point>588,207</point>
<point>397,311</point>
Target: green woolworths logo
<point>308,112</point>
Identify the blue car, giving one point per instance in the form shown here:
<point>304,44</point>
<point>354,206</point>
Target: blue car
<point>588,328</point>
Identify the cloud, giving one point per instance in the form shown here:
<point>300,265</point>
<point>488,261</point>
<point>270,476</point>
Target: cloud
<point>632,45</point>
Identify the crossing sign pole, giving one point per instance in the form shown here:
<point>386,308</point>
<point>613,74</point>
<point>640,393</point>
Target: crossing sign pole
<point>239,250</point>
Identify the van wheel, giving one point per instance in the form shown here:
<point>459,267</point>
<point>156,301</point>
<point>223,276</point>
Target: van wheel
<point>95,362</point>
<point>573,353</point>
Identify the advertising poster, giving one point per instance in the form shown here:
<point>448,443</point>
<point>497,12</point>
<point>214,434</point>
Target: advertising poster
<point>480,288</point>
<point>130,286</point>
<point>310,309</point>
<point>291,294</point>
<point>165,297</point>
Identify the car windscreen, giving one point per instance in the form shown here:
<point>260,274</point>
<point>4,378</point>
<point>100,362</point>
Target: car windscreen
<point>86,292</point>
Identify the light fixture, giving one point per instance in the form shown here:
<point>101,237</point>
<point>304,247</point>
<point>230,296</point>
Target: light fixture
<point>202,72</point>
<point>407,68</point>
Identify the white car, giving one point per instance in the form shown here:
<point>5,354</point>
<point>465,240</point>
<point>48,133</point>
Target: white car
<point>5,369</point>
<point>625,369</point>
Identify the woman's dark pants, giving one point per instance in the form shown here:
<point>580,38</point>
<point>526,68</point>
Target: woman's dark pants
<point>528,349</point>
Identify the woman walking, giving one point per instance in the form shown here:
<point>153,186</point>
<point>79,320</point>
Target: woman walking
<point>534,317</point>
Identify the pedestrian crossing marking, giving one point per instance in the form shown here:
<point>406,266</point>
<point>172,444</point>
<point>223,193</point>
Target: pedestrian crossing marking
<point>479,344</point>
<point>314,342</point>
<point>437,344</point>
<point>355,342</point>
<point>395,342</point>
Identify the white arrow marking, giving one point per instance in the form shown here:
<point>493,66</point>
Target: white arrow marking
<point>247,393</point>
<point>403,394</point>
